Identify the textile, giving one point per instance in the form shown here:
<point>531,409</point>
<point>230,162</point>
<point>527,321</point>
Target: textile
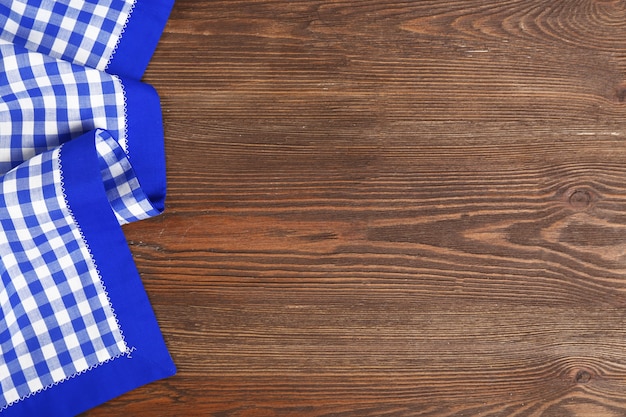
<point>81,154</point>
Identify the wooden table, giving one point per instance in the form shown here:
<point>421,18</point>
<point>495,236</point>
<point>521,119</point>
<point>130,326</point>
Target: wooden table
<point>390,208</point>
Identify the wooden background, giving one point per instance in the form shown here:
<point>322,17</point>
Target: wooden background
<point>390,208</point>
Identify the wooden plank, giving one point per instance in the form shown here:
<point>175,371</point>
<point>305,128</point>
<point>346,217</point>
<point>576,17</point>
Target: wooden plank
<point>390,208</point>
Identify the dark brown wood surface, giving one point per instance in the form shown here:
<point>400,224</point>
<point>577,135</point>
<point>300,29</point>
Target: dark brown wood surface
<point>390,208</point>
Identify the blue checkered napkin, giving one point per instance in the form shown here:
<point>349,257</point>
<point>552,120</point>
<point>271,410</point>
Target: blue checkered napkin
<point>45,102</point>
<point>72,306</point>
<point>57,319</point>
<point>84,32</point>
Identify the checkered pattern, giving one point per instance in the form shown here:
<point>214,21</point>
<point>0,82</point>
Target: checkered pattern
<point>45,102</point>
<point>84,32</point>
<point>57,319</point>
<point>128,201</point>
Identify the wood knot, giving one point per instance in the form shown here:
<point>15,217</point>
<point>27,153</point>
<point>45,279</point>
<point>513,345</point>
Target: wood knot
<point>582,377</point>
<point>580,199</point>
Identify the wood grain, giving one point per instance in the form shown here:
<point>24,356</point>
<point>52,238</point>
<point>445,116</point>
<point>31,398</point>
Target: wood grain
<point>390,208</point>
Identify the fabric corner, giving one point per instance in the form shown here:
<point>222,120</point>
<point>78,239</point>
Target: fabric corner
<point>139,38</point>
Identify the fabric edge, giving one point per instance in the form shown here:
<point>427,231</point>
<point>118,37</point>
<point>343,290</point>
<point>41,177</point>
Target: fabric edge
<point>145,138</point>
<point>139,38</point>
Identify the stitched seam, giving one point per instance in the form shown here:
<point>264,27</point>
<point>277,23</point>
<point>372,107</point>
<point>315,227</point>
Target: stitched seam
<point>119,37</point>
<point>123,140</point>
<point>126,353</point>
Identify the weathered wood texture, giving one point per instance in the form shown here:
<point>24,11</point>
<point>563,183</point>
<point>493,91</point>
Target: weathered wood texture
<point>390,208</point>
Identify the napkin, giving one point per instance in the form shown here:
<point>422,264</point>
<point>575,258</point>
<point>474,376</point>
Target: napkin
<point>81,154</point>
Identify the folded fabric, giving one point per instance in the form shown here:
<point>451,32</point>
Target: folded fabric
<point>81,153</point>
<point>45,102</point>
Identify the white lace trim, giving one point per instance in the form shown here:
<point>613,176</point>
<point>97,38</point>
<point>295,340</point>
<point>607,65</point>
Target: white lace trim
<point>123,139</point>
<point>119,37</point>
<point>126,353</point>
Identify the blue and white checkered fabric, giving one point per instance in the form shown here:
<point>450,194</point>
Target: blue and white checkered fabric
<point>65,129</point>
<point>84,32</point>
<point>127,199</point>
<point>57,319</point>
<point>45,102</point>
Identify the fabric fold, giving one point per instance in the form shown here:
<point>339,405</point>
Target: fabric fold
<point>45,102</point>
<point>144,142</point>
<point>77,322</point>
<point>127,198</point>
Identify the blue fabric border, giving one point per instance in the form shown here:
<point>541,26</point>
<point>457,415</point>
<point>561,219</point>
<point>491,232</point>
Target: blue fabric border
<point>150,359</point>
<point>145,139</point>
<point>140,38</point>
